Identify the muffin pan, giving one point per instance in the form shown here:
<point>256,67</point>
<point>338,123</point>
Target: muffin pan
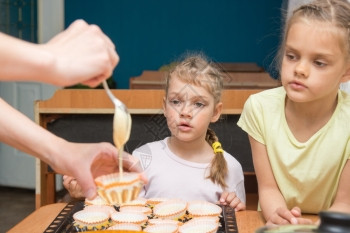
<point>64,220</point>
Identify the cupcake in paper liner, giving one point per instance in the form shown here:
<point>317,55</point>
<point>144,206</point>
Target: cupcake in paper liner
<point>173,209</point>
<point>88,220</point>
<point>203,208</point>
<point>162,228</point>
<point>101,208</point>
<point>125,227</point>
<point>129,217</point>
<point>196,227</point>
<point>118,190</point>
<point>136,209</point>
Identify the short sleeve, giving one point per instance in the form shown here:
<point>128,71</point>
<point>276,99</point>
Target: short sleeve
<point>251,120</point>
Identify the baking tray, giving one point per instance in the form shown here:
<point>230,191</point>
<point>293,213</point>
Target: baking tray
<point>63,223</point>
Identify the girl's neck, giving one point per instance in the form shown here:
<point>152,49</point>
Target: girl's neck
<point>195,151</point>
<point>311,110</point>
<point>306,119</point>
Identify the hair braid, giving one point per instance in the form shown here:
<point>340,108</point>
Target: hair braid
<point>218,169</point>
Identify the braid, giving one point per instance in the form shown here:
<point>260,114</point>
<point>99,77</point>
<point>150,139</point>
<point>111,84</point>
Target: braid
<point>218,169</point>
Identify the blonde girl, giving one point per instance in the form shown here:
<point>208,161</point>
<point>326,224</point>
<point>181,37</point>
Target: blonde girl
<point>191,164</point>
<point>299,133</point>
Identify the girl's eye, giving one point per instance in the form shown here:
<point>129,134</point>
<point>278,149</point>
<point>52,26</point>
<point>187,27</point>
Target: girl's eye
<point>175,102</point>
<point>199,104</point>
<point>320,63</point>
<point>290,56</point>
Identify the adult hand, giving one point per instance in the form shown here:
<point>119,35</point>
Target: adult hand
<point>231,199</point>
<point>82,54</point>
<point>86,161</point>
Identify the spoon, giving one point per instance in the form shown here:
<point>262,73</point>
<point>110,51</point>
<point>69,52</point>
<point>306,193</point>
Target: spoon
<point>121,125</point>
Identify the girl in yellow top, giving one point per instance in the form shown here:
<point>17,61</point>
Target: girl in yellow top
<point>299,133</point>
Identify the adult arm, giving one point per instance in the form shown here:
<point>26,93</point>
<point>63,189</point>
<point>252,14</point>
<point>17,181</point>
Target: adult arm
<point>84,161</point>
<point>80,54</point>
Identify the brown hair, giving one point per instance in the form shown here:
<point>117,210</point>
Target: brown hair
<point>333,12</point>
<point>197,70</point>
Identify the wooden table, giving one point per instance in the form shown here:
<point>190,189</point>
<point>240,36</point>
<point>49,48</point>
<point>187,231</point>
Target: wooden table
<point>247,221</point>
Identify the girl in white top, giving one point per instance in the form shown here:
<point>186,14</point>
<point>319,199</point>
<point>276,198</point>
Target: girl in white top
<point>190,164</point>
<point>299,133</point>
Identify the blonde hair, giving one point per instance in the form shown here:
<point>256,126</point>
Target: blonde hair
<point>197,70</point>
<point>333,12</point>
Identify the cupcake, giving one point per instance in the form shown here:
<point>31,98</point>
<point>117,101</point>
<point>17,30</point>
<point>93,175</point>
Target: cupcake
<point>125,227</point>
<point>162,228</point>
<point>173,209</point>
<point>129,217</point>
<point>117,190</point>
<point>202,227</point>
<point>85,220</point>
<point>203,208</point>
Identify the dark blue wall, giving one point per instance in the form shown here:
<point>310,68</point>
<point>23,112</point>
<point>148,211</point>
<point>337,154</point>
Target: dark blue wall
<point>151,33</point>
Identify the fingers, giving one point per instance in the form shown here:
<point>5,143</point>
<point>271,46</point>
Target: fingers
<point>296,211</point>
<point>87,184</point>
<point>231,199</point>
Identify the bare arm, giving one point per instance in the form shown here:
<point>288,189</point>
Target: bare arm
<point>80,54</point>
<point>342,199</point>
<point>93,159</point>
<point>272,203</point>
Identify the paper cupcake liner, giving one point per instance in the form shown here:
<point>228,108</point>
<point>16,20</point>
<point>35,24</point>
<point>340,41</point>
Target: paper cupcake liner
<point>125,227</point>
<point>116,191</point>
<point>101,208</point>
<point>91,220</point>
<point>129,217</point>
<point>136,209</point>
<point>203,208</point>
<point>159,221</point>
<point>170,209</point>
<point>96,201</point>
<point>139,201</point>
<point>203,227</point>
<point>162,228</point>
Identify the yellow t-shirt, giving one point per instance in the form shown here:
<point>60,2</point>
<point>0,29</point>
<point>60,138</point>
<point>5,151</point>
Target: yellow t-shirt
<point>307,173</point>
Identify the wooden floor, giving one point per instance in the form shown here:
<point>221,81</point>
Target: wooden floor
<point>15,205</point>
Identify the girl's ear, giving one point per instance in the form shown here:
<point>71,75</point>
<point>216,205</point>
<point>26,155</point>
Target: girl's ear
<point>164,106</point>
<point>346,76</point>
<point>217,112</point>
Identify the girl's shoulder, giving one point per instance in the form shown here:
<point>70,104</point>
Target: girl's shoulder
<point>149,147</point>
<point>265,99</point>
<point>231,160</point>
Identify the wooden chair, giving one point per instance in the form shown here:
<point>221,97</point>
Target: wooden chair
<point>86,115</point>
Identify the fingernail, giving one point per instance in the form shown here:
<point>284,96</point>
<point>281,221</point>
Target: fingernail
<point>90,194</point>
<point>294,221</point>
<point>222,200</point>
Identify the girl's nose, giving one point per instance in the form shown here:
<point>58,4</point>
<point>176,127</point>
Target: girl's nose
<point>186,110</point>
<point>302,69</point>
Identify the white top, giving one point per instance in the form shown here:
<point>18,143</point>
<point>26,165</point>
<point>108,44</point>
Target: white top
<point>170,176</point>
